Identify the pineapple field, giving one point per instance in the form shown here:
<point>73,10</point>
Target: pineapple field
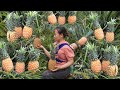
<point>94,36</point>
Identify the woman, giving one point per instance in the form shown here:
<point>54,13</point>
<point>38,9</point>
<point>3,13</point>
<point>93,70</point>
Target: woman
<point>64,56</point>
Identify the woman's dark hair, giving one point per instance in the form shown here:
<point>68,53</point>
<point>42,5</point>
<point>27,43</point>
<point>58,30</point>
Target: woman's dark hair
<point>62,30</point>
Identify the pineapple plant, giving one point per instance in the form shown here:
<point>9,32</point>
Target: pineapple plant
<point>95,63</point>
<point>28,28</point>
<point>11,34</point>
<point>112,69</point>
<point>7,64</point>
<point>110,31</point>
<point>52,61</point>
<point>72,17</point>
<point>61,18</point>
<point>33,64</point>
<point>18,24</point>
<point>52,18</point>
<point>20,64</point>
<point>98,31</point>
<point>106,58</point>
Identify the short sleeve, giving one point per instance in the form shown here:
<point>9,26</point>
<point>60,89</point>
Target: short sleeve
<point>69,53</point>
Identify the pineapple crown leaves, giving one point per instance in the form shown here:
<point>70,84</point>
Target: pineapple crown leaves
<point>89,33</point>
<point>17,19</point>
<point>110,25</point>
<point>115,55</point>
<point>71,13</point>
<point>21,54</point>
<point>31,16</point>
<point>61,13</point>
<point>92,51</point>
<point>33,53</point>
<point>3,51</point>
<point>53,54</point>
<point>107,53</point>
<point>9,21</point>
<point>94,17</point>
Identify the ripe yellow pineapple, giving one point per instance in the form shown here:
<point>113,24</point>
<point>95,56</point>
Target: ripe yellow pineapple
<point>52,61</point>
<point>95,63</point>
<point>33,64</point>
<point>11,34</point>
<point>112,69</point>
<point>7,63</point>
<point>61,18</point>
<point>17,24</point>
<point>20,64</point>
<point>37,42</point>
<point>98,31</point>
<point>52,18</point>
<point>110,31</point>
<point>72,17</point>
<point>28,28</point>
<point>106,58</point>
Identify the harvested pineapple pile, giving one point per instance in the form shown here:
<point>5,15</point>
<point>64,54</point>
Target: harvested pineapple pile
<point>94,36</point>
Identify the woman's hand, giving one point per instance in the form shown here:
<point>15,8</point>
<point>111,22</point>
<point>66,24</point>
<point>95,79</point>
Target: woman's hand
<point>57,68</point>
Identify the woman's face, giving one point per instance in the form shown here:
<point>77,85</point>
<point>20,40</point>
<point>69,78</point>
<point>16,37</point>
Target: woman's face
<point>57,36</point>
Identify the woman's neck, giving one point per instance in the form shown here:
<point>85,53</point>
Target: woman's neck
<point>62,40</point>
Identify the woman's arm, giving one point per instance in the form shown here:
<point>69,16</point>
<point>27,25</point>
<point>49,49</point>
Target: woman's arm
<point>46,51</point>
<point>69,63</point>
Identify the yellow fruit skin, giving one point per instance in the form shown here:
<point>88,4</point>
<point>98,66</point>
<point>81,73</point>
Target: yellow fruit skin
<point>96,66</point>
<point>52,19</point>
<point>37,42</point>
<point>99,34</point>
<point>51,64</point>
<point>82,41</point>
<point>105,64</point>
<point>61,20</point>
<point>112,70</point>
<point>33,65</point>
<point>19,31</point>
<point>7,65</point>
<point>109,37</point>
<point>74,46</point>
<point>20,67</point>
<point>27,32</point>
<point>71,19</point>
<point>11,36</point>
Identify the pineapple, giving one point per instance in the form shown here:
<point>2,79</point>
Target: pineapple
<point>7,63</point>
<point>52,18</point>
<point>93,56</point>
<point>61,18</point>
<point>72,17</point>
<point>110,31</point>
<point>98,31</point>
<point>20,64</point>
<point>33,64</point>
<point>106,58</point>
<point>37,42</point>
<point>28,28</point>
<point>17,24</point>
<point>112,69</point>
<point>52,61</point>
<point>84,39</point>
<point>11,34</point>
